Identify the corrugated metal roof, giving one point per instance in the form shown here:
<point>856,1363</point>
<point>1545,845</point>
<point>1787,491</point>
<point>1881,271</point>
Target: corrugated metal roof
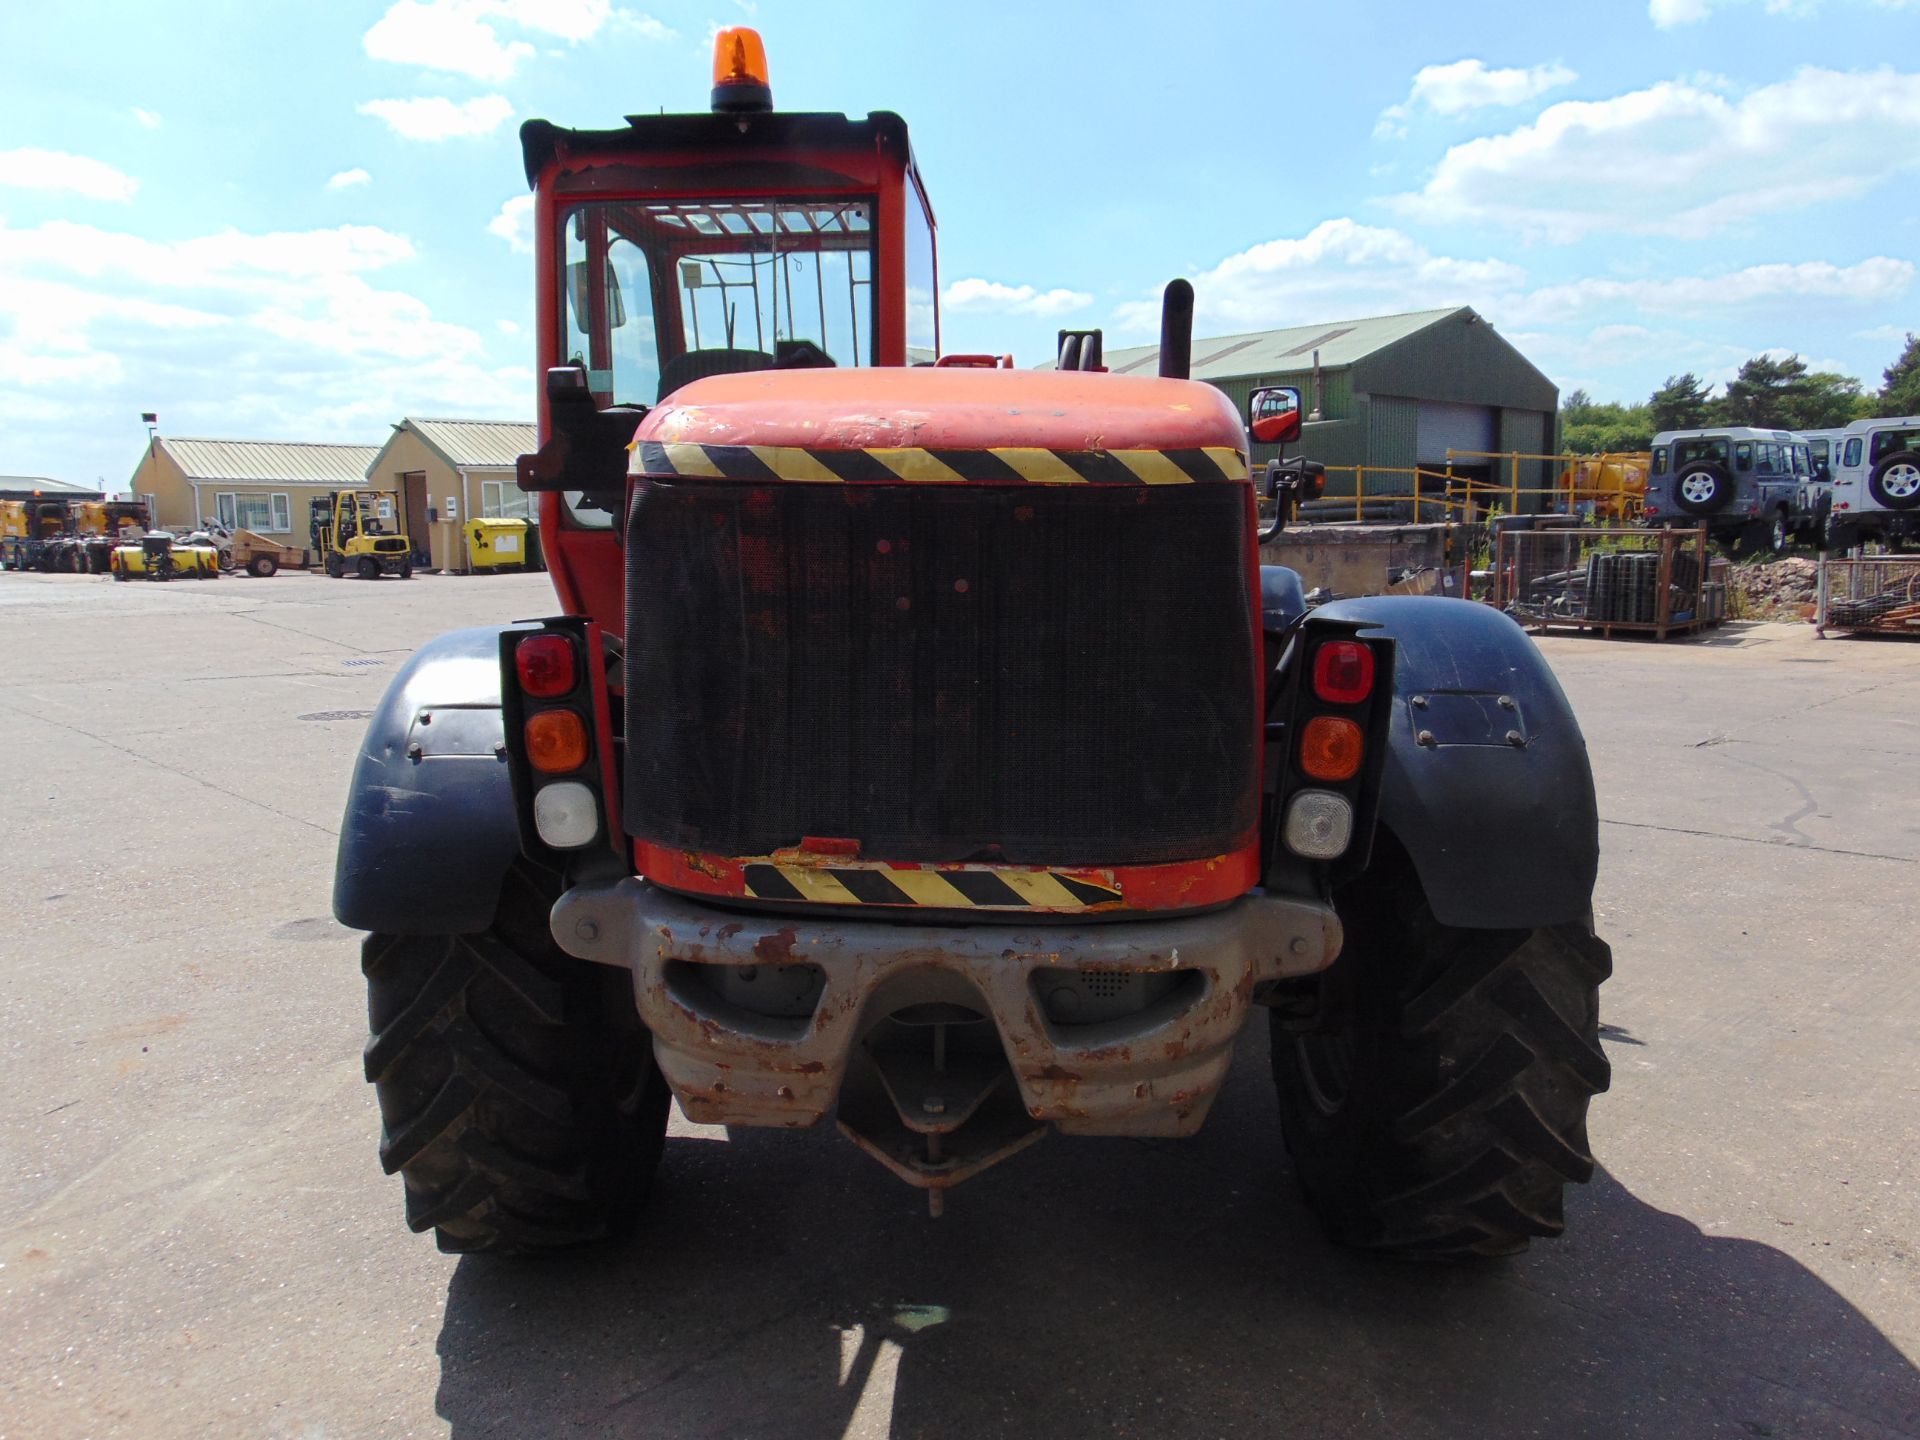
<point>1268,352</point>
<point>476,444</point>
<point>45,485</point>
<point>291,462</point>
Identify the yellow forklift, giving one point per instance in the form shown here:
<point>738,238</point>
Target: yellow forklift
<point>359,532</point>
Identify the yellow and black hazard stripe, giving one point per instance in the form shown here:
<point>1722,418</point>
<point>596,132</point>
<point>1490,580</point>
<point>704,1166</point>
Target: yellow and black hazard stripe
<point>966,889</point>
<point>1211,464</point>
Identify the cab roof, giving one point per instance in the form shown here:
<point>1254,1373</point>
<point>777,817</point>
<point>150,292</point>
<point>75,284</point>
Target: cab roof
<point>669,136</point>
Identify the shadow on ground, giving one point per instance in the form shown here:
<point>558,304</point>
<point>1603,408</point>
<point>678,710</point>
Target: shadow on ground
<point>784,1286</point>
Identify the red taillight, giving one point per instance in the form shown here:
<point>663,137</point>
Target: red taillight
<point>1343,672</point>
<point>546,666</point>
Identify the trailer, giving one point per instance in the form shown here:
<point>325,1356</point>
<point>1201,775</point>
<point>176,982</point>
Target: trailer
<point>261,557</point>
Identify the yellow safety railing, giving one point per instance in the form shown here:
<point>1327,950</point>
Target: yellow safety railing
<point>1614,484</point>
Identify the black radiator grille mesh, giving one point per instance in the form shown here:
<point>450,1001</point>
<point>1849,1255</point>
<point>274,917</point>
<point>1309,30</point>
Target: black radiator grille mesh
<point>1042,675</point>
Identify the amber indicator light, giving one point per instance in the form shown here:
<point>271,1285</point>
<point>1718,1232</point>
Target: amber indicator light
<point>556,742</point>
<point>1331,748</point>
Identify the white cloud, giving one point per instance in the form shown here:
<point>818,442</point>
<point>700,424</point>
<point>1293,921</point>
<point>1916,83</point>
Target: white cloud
<point>346,178</point>
<point>991,297</point>
<point>1340,267</point>
<point>1679,159</point>
<point>95,321</point>
<point>450,37</point>
<point>1666,14</point>
<point>57,170</point>
<point>507,327</point>
<point>514,224</point>
<point>438,118</point>
<point>1878,281</point>
<point>463,37</point>
<point>645,26</point>
<point>147,118</point>
<point>1466,85</point>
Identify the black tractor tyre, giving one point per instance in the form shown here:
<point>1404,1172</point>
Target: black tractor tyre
<point>1436,1106</point>
<point>367,568</point>
<point>519,1100</point>
<point>1893,482</point>
<point>405,572</point>
<point>335,566</point>
<point>1709,497</point>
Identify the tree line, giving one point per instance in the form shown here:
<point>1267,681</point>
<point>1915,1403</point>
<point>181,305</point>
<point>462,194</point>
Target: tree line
<point>1768,393</point>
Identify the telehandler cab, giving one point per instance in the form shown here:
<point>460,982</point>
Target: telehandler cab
<point>921,744</point>
<point>359,532</point>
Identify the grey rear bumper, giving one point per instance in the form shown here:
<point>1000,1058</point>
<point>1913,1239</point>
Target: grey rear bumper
<point>1150,1073</point>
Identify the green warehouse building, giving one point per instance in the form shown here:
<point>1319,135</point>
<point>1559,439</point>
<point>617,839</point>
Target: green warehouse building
<point>1392,393</point>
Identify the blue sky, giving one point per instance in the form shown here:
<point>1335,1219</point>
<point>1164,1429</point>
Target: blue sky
<point>303,221</point>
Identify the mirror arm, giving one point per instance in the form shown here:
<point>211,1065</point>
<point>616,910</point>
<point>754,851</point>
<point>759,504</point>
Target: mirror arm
<point>586,447</point>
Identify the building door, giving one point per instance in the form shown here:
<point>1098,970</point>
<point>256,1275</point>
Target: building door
<point>1445,427</point>
<point>413,494</point>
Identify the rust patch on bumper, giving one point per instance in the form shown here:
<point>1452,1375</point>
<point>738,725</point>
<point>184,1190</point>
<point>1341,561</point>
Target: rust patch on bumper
<point>1154,1073</point>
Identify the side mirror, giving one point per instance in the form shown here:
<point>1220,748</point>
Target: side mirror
<point>1273,414</point>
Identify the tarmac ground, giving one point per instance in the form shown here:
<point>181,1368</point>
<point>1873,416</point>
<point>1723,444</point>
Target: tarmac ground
<point>196,1238</point>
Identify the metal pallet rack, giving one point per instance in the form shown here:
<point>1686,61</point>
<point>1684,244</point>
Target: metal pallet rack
<point>1654,582</point>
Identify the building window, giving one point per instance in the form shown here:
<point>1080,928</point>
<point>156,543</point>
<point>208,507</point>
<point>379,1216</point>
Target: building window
<point>269,514</point>
<point>503,500</point>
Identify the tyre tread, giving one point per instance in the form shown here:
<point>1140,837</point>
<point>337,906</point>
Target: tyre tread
<point>1480,1054</point>
<point>518,1096</point>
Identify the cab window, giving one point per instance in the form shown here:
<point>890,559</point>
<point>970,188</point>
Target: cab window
<point>655,294</point>
<point>1852,455</point>
<point>1743,455</point>
<point>1659,459</point>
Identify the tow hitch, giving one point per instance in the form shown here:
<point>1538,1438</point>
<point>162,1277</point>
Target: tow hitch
<point>935,1101</point>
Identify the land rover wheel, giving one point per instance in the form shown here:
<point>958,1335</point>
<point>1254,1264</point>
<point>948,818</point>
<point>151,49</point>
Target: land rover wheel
<point>1895,481</point>
<point>1777,533</point>
<point>1702,489</point>
<point>518,1096</point>
<point>1436,1103</point>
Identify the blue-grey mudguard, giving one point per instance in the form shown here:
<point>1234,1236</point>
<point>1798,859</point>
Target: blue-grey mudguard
<point>1281,600</point>
<point>430,827</point>
<point>1504,834</point>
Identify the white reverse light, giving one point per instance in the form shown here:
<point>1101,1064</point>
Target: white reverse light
<point>1319,824</point>
<point>565,815</point>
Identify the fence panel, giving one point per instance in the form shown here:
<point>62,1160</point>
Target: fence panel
<point>1881,594</point>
